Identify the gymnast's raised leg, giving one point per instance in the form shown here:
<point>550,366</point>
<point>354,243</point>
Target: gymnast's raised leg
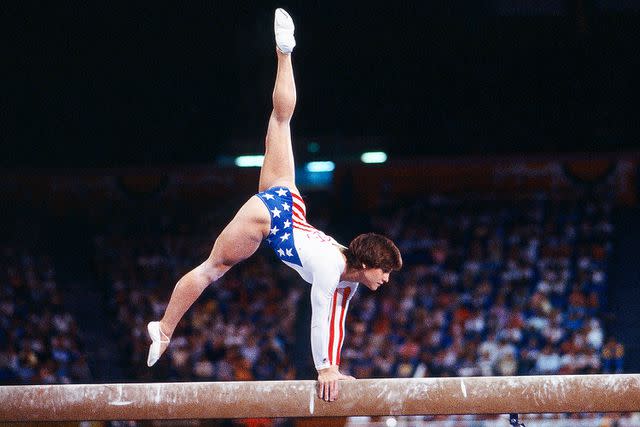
<point>243,235</point>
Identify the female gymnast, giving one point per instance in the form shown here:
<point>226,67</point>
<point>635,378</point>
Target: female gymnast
<point>277,215</point>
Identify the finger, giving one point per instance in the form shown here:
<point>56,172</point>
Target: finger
<point>319,389</point>
<point>334,389</point>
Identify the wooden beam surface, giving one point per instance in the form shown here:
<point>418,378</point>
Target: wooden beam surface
<point>367,397</point>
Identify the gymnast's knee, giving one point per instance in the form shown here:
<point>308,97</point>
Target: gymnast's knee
<point>283,112</point>
<point>211,270</point>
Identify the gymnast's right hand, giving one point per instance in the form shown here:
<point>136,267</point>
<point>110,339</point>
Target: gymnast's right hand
<point>328,383</point>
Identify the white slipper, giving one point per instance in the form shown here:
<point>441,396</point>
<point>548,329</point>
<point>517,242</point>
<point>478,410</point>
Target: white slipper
<point>283,28</point>
<point>158,338</point>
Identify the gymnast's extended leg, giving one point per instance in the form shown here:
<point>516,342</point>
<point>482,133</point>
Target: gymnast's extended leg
<point>278,167</point>
<point>238,241</point>
<point>243,235</point>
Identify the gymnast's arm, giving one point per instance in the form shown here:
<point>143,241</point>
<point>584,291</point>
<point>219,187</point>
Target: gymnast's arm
<point>322,294</point>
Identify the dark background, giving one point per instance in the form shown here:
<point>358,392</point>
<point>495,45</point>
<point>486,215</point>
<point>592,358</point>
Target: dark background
<point>117,84</point>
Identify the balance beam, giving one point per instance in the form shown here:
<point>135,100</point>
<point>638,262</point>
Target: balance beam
<point>367,397</point>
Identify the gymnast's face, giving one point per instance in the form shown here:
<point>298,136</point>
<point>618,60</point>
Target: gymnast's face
<point>373,278</point>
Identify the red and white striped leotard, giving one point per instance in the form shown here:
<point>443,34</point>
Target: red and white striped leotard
<point>322,265</point>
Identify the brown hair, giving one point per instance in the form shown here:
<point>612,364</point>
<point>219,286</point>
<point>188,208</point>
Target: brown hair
<point>374,251</point>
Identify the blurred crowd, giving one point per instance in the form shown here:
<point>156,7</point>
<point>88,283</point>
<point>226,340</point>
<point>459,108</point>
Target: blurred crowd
<point>39,339</point>
<point>489,287</point>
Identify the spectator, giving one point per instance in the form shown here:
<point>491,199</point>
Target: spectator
<point>612,356</point>
<point>548,361</point>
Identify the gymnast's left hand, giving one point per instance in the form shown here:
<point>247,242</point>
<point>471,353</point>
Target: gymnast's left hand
<point>328,383</point>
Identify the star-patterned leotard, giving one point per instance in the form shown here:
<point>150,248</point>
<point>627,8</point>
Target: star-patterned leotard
<point>319,261</point>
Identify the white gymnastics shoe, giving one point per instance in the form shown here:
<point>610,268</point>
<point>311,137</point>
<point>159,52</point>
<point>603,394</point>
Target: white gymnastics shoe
<point>159,343</point>
<point>283,28</point>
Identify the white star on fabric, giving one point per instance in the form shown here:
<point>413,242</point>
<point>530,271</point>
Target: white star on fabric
<point>268,196</point>
<point>268,240</point>
<point>280,252</point>
<point>285,236</point>
<point>286,206</point>
<point>281,192</point>
<point>287,223</point>
<point>276,212</point>
<point>289,252</point>
<point>274,230</point>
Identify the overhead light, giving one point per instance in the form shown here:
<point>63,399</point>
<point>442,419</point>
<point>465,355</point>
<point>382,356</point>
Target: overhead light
<point>324,166</point>
<point>252,161</point>
<point>374,157</point>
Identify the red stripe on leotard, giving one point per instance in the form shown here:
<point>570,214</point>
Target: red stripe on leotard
<point>331,333</point>
<point>345,298</point>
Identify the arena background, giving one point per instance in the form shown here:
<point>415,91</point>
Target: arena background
<point>121,123</point>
